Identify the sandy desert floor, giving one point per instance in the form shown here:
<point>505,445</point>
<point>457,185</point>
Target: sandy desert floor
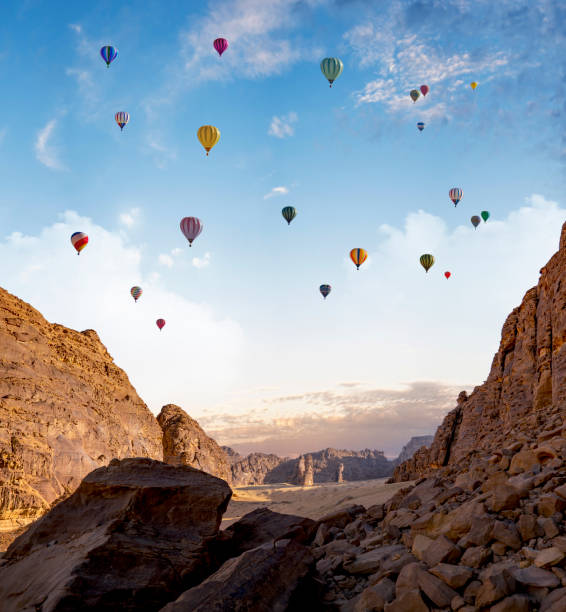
<point>313,502</point>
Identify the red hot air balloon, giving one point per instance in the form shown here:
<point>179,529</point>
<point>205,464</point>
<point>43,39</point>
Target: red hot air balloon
<point>191,228</point>
<point>447,274</point>
<point>79,240</point>
<point>160,323</point>
<point>424,89</point>
<point>220,44</point>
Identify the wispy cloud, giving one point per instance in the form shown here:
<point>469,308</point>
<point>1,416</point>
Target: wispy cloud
<point>282,127</point>
<point>161,153</point>
<point>165,260</point>
<point>201,262</point>
<point>45,152</point>
<point>281,190</point>
<point>130,218</point>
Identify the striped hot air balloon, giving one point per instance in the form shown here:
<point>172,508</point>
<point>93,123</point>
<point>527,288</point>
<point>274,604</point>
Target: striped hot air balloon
<point>136,292</point>
<point>475,221</point>
<point>421,125</point>
<point>208,136</point>
<point>79,240</point>
<point>331,68</point>
<point>358,256</point>
<point>415,94</point>
<point>289,213</point>
<point>220,44</point>
<point>325,290</point>
<point>456,194</point>
<point>191,228</point>
<point>108,54</point>
<point>122,119</point>
<point>427,261</point>
<point>160,323</point>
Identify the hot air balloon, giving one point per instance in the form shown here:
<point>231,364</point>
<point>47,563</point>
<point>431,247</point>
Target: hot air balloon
<point>289,213</point>
<point>220,44</point>
<point>208,136</point>
<point>325,290</point>
<point>420,125</point>
<point>475,221</point>
<point>415,94</point>
<point>79,240</point>
<point>358,256</point>
<point>456,194</point>
<point>427,261</point>
<point>424,89</point>
<point>447,274</point>
<point>191,228</point>
<point>331,68</point>
<point>160,323</point>
<point>473,85</point>
<point>485,215</point>
<point>122,119</point>
<point>136,292</point>
<point>108,54</point>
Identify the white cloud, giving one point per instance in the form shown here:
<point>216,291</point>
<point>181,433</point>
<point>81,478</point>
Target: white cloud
<point>162,154</point>
<point>45,152</point>
<point>76,27</point>
<point>179,364</point>
<point>201,262</point>
<point>282,127</point>
<point>281,190</point>
<point>165,260</point>
<point>130,218</point>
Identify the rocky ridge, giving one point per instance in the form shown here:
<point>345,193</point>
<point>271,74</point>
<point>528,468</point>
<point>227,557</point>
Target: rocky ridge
<point>412,446</point>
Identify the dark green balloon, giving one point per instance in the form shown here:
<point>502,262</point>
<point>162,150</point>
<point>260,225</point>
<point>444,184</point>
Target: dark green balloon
<point>289,213</point>
<point>426,261</point>
<point>485,215</point>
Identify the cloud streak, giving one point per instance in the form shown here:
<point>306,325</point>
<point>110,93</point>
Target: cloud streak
<point>283,127</point>
<point>45,152</point>
<point>281,190</point>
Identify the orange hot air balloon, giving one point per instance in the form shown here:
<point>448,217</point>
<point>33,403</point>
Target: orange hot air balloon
<point>358,256</point>
<point>447,274</point>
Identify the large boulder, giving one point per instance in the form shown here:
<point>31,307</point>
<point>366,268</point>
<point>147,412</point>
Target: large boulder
<point>133,536</point>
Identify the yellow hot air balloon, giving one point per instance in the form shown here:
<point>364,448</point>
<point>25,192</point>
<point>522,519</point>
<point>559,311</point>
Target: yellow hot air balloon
<point>208,136</point>
<point>358,256</point>
<point>427,260</point>
<point>473,85</point>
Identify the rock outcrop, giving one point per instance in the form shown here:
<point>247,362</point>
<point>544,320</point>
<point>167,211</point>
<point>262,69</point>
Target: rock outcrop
<point>186,443</point>
<point>255,468</point>
<point>525,388</point>
<point>65,409</point>
<point>133,536</point>
<point>412,446</point>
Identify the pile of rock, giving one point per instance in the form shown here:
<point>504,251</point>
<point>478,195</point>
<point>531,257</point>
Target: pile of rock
<point>487,538</point>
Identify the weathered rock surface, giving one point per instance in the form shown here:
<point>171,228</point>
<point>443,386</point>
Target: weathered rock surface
<point>133,536</point>
<point>186,443</point>
<point>255,468</point>
<point>412,446</point>
<point>65,409</point>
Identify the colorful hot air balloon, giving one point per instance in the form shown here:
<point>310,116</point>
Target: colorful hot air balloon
<point>420,125</point>
<point>415,94</point>
<point>220,44</point>
<point>473,85</point>
<point>191,228</point>
<point>447,274</point>
<point>289,213</point>
<point>160,323</point>
<point>331,68</point>
<point>358,256</point>
<point>325,290</point>
<point>208,136</point>
<point>475,221</point>
<point>456,194</point>
<point>79,240</point>
<point>122,119</point>
<point>108,54</point>
<point>485,215</point>
<point>136,292</point>
<point>427,261</point>
<point>424,89</point>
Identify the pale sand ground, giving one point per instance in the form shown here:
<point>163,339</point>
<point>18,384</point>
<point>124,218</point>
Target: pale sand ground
<point>312,502</point>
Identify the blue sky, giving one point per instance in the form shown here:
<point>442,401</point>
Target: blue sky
<point>381,359</point>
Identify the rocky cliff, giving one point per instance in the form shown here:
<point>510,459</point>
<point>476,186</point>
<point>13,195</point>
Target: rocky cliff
<point>525,388</point>
<point>412,446</point>
<point>65,409</point>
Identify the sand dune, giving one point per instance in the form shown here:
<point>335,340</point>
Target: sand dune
<point>313,502</point>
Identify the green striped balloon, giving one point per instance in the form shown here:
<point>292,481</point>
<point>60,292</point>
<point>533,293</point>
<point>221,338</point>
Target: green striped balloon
<point>289,213</point>
<point>426,261</point>
<point>331,68</point>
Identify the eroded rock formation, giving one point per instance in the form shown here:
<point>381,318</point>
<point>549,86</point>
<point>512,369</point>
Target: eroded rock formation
<point>412,446</point>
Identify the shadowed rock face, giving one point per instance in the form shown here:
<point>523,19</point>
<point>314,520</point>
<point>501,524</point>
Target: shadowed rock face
<point>133,536</point>
<point>412,446</point>
<point>525,388</point>
<point>186,443</point>
<point>65,409</point>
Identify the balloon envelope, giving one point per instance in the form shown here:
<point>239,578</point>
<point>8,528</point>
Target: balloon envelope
<point>475,221</point>
<point>289,213</point>
<point>191,228</point>
<point>485,215</point>
<point>421,126</point>
<point>160,323</point>
<point>424,89</point>
<point>447,274</point>
<point>220,44</point>
<point>415,94</point>
<point>79,240</point>
<point>473,85</point>
<point>208,136</point>
<point>427,260</point>
<point>136,292</point>
<point>358,256</point>
<point>108,54</point>
<point>325,290</point>
<point>122,119</point>
<point>456,194</point>
<point>331,68</point>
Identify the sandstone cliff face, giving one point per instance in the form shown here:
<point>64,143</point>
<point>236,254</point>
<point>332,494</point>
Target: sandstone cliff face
<point>412,446</point>
<point>253,469</point>
<point>524,388</point>
<point>186,443</point>
<point>65,409</point>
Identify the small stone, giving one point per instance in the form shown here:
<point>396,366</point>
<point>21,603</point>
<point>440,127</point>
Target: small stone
<point>508,534</point>
<point>476,556</point>
<point>555,601</point>
<point>560,543</point>
<point>523,462</point>
<point>440,551</point>
<point>505,497</point>
<point>494,587</point>
<point>561,491</point>
<point>420,544</point>
<point>536,577</point>
<point>471,591</point>
<point>455,576</point>
<point>457,603</point>
<point>527,527</point>
<point>514,603</point>
<point>550,504</point>
<point>408,600</point>
<point>548,557</point>
<point>549,527</point>
<point>498,548</point>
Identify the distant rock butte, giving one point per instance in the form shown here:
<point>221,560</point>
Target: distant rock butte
<point>412,446</point>
<point>65,409</point>
<point>525,388</point>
